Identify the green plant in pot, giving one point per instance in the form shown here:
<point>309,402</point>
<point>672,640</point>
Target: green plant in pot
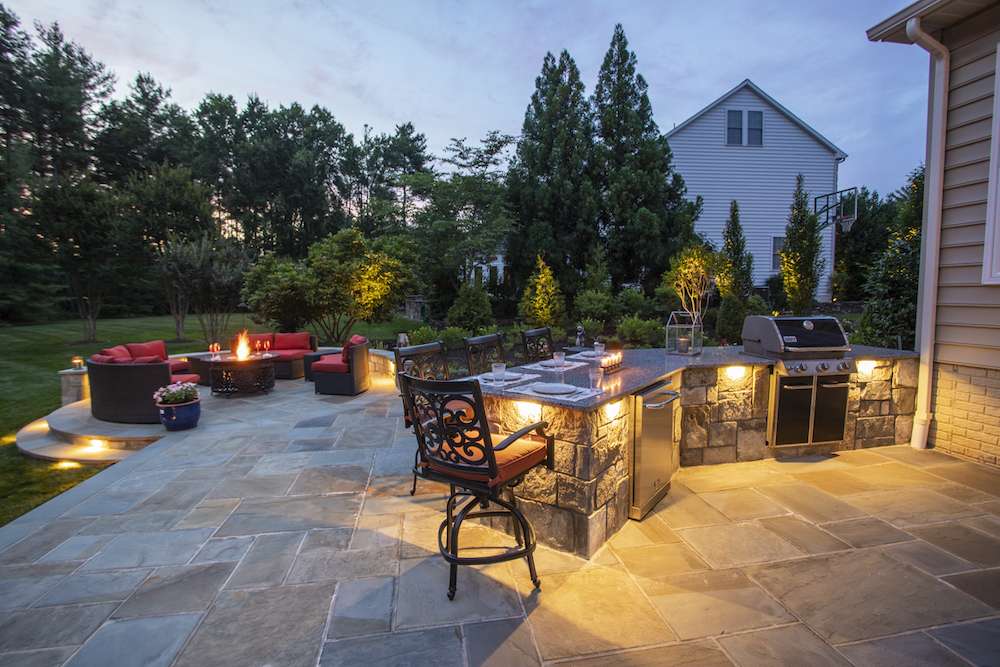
<point>179,405</point>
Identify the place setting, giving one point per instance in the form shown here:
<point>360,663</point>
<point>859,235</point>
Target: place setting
<point>500,376</point>
<point>558,362</point>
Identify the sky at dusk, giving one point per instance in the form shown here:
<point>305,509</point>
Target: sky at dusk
<point>461,68</point>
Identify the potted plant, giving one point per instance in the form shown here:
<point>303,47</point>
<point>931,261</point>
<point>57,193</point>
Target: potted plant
<point>179,404</point>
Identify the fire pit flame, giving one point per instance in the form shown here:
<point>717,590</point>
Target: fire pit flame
<point>242,346</point>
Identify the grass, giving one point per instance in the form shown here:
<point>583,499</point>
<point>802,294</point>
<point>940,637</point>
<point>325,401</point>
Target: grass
<point>29,388</point>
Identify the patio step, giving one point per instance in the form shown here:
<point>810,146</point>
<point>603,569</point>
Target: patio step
<point>72,434</point>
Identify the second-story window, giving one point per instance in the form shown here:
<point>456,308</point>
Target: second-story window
<point>734,128</point>
<point>755,128</point>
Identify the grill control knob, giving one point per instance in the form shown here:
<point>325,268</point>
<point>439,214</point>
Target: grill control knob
<point>801,368</point>
<point>843,366</point>
<point>823,366</point>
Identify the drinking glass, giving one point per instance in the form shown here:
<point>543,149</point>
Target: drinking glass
<point>559,358</point>
<point>598,348</point>
<point>596,376</point>
<point>499,371</point>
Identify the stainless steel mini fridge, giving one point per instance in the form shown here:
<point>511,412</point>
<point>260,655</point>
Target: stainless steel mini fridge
<point>655,454</point>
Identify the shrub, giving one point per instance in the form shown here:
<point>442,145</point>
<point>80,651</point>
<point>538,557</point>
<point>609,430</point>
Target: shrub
<point>710,319</point>
<point>277,291</point>
<point>542,303</point>
<point>632,301</point>
<point>595,304</point>
<point>471,309</point>
<point>592,328</point>
<point>421,335</point>
<point>757,306</point>
<point>776,293</point>
<point>453,337</point>
<point>730,322</point>
<point>638,331</point>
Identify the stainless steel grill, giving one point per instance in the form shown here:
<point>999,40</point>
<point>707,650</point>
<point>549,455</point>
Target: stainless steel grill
<point>811,378</point>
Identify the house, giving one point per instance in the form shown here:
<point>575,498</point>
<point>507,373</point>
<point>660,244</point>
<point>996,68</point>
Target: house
<point>747,146</point>
<point>958,319</point>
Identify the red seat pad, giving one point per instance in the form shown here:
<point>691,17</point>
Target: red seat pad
<point>118,352</point>
<point>290,355</point>
<point>185,377</point>
<point>152,348</point>
<point>330,364</point>
<point>345,353</point>
<point>179,365</point>
<point>513,460</point>
<point>292,341</point>
<point>102,358</point>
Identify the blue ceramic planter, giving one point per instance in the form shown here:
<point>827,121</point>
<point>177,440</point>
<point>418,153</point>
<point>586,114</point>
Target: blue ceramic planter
<point>180,416</point>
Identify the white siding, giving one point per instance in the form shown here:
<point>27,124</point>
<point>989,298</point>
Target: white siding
<point>760,178</point>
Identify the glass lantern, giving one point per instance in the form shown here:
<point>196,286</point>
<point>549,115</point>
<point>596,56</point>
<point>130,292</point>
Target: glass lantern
<point>684,333</point>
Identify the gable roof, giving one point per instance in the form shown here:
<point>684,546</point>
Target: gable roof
<point>747,83</point>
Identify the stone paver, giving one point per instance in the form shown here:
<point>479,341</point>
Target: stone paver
<point>281,531</point>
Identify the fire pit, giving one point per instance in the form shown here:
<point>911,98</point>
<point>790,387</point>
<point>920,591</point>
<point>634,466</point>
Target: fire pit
<point>238,373</point>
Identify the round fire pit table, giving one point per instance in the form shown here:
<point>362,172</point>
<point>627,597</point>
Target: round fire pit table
<point>229,376</point>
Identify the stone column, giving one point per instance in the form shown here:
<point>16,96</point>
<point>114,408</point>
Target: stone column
<point>74,384</point>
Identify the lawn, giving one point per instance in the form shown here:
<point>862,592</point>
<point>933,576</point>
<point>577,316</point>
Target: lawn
<point>29,388</point>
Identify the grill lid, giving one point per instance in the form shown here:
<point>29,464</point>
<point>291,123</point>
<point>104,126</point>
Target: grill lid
<point>792,336</point>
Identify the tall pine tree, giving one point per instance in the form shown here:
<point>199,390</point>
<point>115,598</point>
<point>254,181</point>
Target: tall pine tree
<point>643,207</point>
<point>738,278</point>
<point>552,197</point>
<point>801,256</point>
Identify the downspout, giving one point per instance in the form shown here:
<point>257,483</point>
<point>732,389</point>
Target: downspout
<point>934,183</point>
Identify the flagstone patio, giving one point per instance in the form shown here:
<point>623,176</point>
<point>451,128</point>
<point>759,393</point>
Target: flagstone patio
<point>281,532</point>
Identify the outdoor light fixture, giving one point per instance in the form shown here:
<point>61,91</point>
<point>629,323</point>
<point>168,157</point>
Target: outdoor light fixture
<point>528,411</point>
<point>66,465</point>
<point>612,410</point>
<point>96,445</point>
<point>736,373</point>
<point>77,362</point>
<point>866,367</point>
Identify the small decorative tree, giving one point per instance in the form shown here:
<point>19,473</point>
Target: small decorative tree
<point>212,275</point>
<point>801,258</point>
<point>542,303</point>
<point>171,270</point>
<point>692,276</point>
<point>278,291</point>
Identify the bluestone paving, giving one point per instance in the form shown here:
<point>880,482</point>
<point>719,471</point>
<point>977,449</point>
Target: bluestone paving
<point>228,545</point>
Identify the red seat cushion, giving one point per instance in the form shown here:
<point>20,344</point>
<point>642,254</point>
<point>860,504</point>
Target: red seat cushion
<point>345,353</point>
<point>186,377</point>
<point>178,365</point>
<point>330,364</point>
<point>152,348</point>
<point>290,355</point>
<point>150,359</point>
<point>102,358</point>
<point>513,460</point>
<point>292,341</point>
<point>118,352</point>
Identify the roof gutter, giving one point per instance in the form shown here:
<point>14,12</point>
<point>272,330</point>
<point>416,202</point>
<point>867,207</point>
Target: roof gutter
<point>933,199</point>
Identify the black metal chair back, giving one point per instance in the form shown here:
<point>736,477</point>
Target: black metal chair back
<point>483,351</point>
<point>537,344</point>
<point>429,361</point>
<point>449,421</point>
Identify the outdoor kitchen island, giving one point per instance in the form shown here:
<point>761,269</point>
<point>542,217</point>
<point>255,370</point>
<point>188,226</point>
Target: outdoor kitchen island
<point>721,416</point>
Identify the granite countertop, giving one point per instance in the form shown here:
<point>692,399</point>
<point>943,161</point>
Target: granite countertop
<point>645,367</point>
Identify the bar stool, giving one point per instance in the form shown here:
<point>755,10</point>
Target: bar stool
<point>428,361</point>
<point>482,352</point>
<point>449,421</point>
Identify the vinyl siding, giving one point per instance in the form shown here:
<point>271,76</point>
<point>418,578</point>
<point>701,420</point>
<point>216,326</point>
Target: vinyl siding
<point>760,178</point>
<point>968,314</point>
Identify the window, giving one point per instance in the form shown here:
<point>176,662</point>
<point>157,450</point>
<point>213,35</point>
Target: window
<point>734,128</point>
<point>991,248</point>
<point>777,243</point>
<point>755,128</point>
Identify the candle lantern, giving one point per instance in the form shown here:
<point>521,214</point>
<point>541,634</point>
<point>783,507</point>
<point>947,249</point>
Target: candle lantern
<point>77,362</point>
<point>684,333</point>
<point>611,361</point>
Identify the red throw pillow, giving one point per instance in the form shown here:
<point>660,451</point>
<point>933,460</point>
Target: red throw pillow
<point>102,358</point>
<point>345,354</point>
<point>291,341</point>
<point>152,348</point>
<point>148,359</point>
<point>118,352</point>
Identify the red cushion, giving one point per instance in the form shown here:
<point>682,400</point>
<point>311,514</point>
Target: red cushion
<point>186,377</point>
<point>122,360</point>
<point>152,348</point>
<point>118,351</point>
<point>329,364</point>
<point>292,341</point>
<point>290,355</point>
<point>178,365</point>
<point>151,359</point>
<point>345,353</point>
<point>102,358</point>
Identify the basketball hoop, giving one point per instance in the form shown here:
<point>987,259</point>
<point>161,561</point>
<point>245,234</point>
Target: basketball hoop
<point>837,208</point>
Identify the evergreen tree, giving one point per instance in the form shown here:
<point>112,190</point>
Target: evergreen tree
<point>552,198</point>
<point>737,278</point>
<point>542,303</point>
<point>643,207</point>
<point>890,313</point>
<point>801,256</point>
<point>862,245</point>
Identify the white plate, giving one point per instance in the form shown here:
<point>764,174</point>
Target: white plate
<point>551,363</point>
<point>508,376</point>
<point>555,388</point>
<point>588,353</point>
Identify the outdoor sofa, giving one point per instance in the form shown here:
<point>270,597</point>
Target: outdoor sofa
<point>344,373</point>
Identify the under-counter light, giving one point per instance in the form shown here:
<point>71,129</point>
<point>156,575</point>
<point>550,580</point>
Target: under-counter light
<point>866,367</point>
<point>96,445</point>
<point>612,410</point>
<point>530,412</point>
<point>735,373</point>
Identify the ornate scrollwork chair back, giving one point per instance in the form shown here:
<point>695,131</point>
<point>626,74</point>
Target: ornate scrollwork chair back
<point>537,344</point>
<point>484,351</point>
